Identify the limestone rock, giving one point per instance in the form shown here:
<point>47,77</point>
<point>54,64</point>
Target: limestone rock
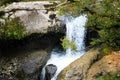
<point>34,16</point>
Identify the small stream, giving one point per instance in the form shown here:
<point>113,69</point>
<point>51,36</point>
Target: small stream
<point>75,32</point>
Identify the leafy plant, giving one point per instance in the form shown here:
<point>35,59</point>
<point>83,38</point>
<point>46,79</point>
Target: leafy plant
<point>68,44</point>
<point>103,17</point>
<point>12,29</point>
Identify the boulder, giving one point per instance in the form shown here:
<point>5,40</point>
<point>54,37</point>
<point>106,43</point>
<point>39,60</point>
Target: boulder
<point>78,69</point>
<point>50,71</point>
<point>35,16</point>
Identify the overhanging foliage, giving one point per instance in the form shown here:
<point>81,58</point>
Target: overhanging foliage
<point>103,17</point>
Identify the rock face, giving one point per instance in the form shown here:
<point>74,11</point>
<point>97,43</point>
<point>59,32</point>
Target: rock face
<point>25,59</point>
<point>35,16</point>
<point>25,67</point>
<point>78,69</point>
<point>50,71</point>
<point>109,63</point>
<point>88,67</point>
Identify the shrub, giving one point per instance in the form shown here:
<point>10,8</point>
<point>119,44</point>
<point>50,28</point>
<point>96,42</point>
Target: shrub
<point>68,44</point>
<point>103,17</point>
<point>12,29</point>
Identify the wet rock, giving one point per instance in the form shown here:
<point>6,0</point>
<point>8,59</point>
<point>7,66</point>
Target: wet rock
<point>50,71</point>
<point>78,69</point>
<point>90,67</point>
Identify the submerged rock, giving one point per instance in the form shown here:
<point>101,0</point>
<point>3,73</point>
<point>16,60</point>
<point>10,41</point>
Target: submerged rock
<point>50,71</point>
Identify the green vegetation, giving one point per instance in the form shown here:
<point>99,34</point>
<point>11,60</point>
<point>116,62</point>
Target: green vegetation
<point>103,17</point>
<point>68,44</point>
<point>110,76</point>
<point>12,29</point>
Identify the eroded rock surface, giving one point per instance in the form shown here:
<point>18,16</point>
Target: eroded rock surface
<point>35,16</point>
<point>89,67</point>
<point>109,63</point>
<point>25,59</point>
<point>78,69</point>
<point>25,67</point>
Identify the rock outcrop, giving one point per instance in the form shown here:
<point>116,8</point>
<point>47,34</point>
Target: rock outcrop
<point>89,67</point>
<point>37,17</point>
<point>109,63</point>
<point>25,67</point>
<point>78,69</point>
<point>25,59</point>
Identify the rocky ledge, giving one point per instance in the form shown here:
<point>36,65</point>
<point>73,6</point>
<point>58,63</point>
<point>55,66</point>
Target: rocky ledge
<point>90,67</point>
<point>24,59</point>
<point>37,17</point>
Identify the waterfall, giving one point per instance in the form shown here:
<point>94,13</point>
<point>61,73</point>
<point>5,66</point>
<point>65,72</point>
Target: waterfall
<point>75,32</point>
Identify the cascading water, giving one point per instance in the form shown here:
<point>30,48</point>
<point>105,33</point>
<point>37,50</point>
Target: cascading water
<point>75,32</point>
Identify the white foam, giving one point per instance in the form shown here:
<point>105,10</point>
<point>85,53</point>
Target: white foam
<point>75,32</point>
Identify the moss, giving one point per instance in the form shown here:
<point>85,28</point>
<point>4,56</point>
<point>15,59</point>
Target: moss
<point>110,76</point>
